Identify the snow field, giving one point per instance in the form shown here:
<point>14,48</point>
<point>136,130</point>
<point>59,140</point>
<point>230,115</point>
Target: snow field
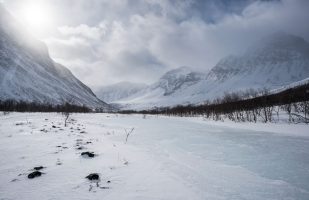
<point>164,158</point>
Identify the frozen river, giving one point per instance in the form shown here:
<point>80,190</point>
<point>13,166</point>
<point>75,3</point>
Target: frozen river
<point>164,158</point>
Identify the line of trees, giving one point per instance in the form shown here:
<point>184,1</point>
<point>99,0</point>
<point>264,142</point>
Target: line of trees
<point>249,106</point>
<point>21,106</point>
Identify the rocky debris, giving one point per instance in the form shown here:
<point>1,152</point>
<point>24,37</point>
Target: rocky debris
<point>93,177</point>
<point>34,174</point>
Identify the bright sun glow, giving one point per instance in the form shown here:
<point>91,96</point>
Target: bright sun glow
<point>37,16</point>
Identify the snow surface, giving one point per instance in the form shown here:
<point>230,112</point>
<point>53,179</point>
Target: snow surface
<point>164,158</point>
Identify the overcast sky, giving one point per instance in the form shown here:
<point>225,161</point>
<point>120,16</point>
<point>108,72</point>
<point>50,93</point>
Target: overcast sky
<point>107,41</point>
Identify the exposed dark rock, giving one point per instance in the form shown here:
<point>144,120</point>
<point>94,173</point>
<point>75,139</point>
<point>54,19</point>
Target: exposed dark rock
<point>34,174</point>
<point>38,168</point>
<point>88,154</point>
<point>93,177</point>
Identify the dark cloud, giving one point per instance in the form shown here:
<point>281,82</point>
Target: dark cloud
<point>105,41</point>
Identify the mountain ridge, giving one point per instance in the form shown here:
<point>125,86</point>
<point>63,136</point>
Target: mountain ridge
<point>275,61</point>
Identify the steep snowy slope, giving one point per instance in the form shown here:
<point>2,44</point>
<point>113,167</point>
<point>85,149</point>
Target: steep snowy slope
<point>274,62</point>
<point>27,72</point>
<point>119,91</point>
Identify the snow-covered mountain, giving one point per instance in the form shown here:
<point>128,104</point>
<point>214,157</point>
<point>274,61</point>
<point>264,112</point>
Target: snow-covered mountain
<point>28,73</point>
<point>176,79</point>
<point>169,83</point>
<point>162,92</point>
<point>118,91</point>
<point>274,62</point>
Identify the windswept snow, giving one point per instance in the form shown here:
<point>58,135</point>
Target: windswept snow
<point>164,158</point>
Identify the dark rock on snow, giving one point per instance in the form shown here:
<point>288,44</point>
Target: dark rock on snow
<point>38,168</point>
<point>93,177</point>
<point>88,154</point>
<point>34,174</point>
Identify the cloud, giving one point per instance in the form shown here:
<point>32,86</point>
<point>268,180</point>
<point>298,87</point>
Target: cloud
<point>82,30</point>
<point>138,41</point>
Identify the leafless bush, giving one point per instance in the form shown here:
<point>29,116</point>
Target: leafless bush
<point>128,134</point>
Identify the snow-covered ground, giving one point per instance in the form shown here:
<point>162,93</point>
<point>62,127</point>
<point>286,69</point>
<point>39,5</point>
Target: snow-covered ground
<point>164,158</point>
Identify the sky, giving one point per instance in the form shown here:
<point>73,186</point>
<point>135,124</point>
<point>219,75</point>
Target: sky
<point>108,41</point>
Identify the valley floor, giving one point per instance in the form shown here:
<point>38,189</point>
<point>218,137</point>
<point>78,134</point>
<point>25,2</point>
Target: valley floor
<point>164,158</point>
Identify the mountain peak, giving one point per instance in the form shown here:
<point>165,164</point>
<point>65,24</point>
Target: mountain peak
<point>276,57</point>
<point>181,71</point>
<point>281,38</point>
<point>280,42</point>
<point>177,78</point>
